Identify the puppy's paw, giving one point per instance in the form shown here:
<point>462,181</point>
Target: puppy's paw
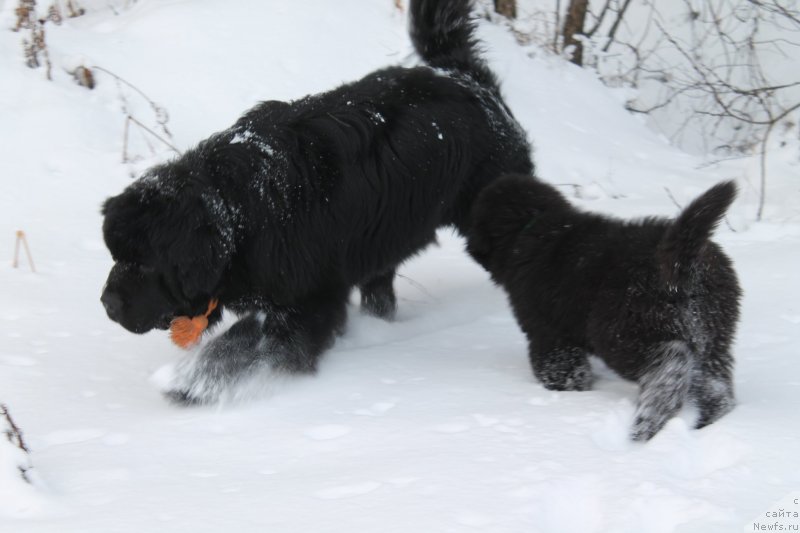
<point>643,430</point>
<point>645,427</point>
<point>579,378</point>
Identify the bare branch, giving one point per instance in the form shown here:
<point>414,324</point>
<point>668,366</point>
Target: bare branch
<point>614,27</point>
<point>599,20</point>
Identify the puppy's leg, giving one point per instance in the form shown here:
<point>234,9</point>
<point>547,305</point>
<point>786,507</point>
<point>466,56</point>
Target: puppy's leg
<point>561,368</point>
<point>377,295</point>
<point>276,341</point>
<point>712,388</point>
<point>663,388</point>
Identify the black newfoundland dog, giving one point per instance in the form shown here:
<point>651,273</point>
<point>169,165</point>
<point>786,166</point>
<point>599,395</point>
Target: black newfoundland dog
<point>281,215</point>
<point>655,299</point>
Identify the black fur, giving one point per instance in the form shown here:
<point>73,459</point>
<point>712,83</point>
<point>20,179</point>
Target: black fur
<point>283,213</point>
<point>655,299</point>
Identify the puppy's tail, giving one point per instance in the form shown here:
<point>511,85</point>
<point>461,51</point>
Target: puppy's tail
<point>443,33</point>
<point>688,234</point>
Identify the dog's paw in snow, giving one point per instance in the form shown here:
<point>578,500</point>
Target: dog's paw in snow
<point>236,364</point>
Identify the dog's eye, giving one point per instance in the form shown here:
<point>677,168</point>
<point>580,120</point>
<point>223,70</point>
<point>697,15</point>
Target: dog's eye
<point>133,269</point>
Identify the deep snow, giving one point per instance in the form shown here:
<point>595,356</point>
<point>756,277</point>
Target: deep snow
<point>433,423</point>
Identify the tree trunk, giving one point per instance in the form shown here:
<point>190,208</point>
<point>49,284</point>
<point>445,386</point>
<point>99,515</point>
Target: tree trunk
<point>506,8</point>
<point>573,26</point>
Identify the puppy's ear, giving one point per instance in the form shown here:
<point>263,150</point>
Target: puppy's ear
<point>479,242</point>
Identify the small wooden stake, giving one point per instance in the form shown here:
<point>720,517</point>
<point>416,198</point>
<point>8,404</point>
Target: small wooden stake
<point>21,238</point>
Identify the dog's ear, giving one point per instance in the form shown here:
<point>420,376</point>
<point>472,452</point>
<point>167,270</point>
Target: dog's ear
<point>125,226</point>
<point>194,242</point>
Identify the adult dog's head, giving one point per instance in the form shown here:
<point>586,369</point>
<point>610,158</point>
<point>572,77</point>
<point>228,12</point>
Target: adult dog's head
<point>171,238</point>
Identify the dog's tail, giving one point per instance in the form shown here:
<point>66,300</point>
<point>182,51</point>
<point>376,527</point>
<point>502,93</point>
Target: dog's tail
<point>689,233</point>
<point>443,33</point>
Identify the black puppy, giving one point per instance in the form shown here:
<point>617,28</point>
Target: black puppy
<point>655,299</point>
<point>281,215</point>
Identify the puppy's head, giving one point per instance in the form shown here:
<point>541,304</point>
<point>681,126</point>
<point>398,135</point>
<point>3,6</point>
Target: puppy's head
<point>506,207</point>
<point>171,242</point>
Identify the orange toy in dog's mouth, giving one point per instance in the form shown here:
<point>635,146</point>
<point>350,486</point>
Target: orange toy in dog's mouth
<point>186,331</point>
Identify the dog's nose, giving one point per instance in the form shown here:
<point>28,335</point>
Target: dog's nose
<point>113,304</point>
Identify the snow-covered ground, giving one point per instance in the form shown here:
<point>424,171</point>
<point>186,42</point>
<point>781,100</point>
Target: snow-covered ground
<point>431,424</point>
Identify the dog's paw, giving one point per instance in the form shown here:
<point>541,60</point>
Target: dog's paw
<point>191,381</point>
<point>379,305</point>
<point>240,364</point>
<point>200,380</point>
<point>180,397</point>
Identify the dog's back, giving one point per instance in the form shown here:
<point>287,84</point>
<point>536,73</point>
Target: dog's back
<point>360,177</point>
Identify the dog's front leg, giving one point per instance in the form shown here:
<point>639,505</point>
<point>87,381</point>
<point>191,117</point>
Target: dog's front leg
<point>275,342</point>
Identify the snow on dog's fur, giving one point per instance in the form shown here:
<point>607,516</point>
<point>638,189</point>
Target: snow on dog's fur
<point>655,298</point>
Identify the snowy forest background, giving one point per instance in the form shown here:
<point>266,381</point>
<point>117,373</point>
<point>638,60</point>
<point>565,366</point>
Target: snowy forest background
<point>433,423</point>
